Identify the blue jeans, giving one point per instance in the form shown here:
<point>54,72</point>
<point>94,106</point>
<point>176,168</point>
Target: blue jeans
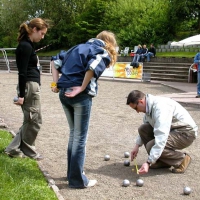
<point>136,58</point>
<point>77,110</point>
<point>198,82</point>
<point>148,55</point>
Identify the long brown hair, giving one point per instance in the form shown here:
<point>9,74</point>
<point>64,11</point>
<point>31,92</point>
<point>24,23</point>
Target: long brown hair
<point>111,44</point>
<point>26,28</point>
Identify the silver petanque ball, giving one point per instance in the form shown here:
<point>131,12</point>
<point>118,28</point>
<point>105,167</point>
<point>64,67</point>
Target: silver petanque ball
<point>186,190</point>
<point>15,99</point>
<point>127,163</point>
<point>139,182</point>
<point>126,182</point>
<point>126,154</point>
<point>106,157</point>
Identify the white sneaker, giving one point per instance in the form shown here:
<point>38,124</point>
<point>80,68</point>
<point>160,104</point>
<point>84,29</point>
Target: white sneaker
<point>92,183</point>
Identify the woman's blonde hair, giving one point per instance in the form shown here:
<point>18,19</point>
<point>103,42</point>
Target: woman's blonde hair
<point>111,44</point>
<point>26,28</point>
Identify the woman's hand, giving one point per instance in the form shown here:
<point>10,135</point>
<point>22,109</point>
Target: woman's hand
<point>75,90</point>
<point>19,102</point>
<point>55,89</point>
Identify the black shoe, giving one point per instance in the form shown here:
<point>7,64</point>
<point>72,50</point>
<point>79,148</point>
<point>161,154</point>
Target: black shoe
<point>198,96</point>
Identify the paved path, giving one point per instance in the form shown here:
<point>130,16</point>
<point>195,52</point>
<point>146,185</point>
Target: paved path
<point>185,96</point>
<point>113,128</point>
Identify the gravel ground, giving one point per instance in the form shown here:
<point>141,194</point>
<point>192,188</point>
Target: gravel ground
<point>113,129</point>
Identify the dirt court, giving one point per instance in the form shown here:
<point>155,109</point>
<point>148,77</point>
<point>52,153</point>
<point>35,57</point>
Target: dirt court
<point>112,131</point>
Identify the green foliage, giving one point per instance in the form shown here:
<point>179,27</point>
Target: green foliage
<point>143,22</point>
<point>133,21</point>
<point>21,178</point>
<point>88,22</point>
<point>184,12</point>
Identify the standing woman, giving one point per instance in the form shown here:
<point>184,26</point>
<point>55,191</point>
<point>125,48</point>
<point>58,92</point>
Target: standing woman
<point>80,67</point>
<point>28,89</point>
<point>197,61</point>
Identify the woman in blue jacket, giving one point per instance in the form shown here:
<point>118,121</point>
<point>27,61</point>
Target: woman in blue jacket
<point>80,67</point>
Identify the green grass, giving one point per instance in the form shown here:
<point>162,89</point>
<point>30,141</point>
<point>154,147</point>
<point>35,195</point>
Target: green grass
<point>21,178</point>
<point>158,54</point>
<point>176,54</point>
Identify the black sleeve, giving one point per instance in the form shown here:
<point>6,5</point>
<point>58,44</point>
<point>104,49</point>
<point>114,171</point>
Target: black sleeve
<point>154,51</point>
<point>22,57</point>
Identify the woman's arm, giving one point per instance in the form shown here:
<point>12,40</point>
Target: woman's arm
<point>55,75</point>
<point>78,89</point>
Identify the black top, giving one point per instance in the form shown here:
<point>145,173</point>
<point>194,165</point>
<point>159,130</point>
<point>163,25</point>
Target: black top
<point>152,50</point>
<point>26,60</point>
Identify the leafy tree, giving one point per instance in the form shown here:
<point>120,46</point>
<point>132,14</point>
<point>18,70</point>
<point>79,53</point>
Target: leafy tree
<point>133,21</point>
<point>88,22</point>
<point>138,22</point>
<point>11,17</point>
<point>185,15</point>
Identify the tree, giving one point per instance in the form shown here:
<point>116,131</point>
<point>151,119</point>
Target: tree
<point>185,15</point>
<point>88,21</point>
<point>138,22</point>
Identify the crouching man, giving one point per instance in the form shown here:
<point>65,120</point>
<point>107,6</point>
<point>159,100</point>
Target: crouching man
<point>167,127</point>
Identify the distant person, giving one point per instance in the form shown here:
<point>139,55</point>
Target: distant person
<point>151,53</point>
<point>80,67</point>
<point>136,57</point>
<point>197,61</point>
<point>167,127</point>
<point>144,52</point>
<point>28,89</point>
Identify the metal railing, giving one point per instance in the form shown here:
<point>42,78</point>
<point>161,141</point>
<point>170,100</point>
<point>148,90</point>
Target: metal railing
<point>3,50</point>
<point>192,69</point>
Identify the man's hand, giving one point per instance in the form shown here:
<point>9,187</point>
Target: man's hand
<point>134,152</point>
<point>144,169</point>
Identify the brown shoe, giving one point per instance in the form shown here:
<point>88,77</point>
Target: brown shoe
<point>183,166</point>
<point>159,164</point>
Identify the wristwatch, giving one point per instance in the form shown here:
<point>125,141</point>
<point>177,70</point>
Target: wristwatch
<point>148,163</point>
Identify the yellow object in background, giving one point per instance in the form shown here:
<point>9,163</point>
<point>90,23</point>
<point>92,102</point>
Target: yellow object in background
<point>123,70</point>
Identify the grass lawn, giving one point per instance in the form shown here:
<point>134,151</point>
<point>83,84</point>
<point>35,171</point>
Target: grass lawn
<point>158,54</point>
<point>176,54</point>
<point>21,179</point>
